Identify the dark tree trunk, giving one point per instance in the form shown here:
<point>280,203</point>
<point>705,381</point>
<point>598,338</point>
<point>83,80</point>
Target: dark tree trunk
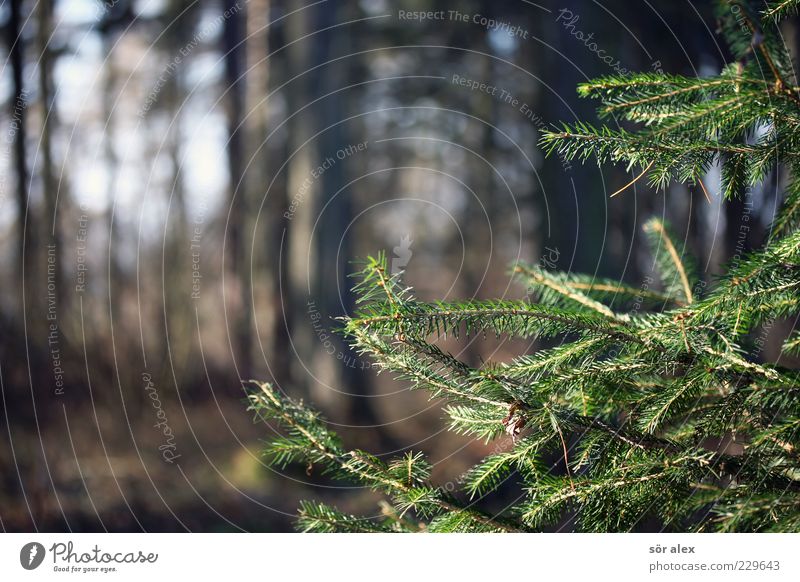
<point>235,58</point>
<point>25,228</point>
<point>50,182</point>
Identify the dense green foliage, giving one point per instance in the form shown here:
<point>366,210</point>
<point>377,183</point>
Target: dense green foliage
<point>657,404</point>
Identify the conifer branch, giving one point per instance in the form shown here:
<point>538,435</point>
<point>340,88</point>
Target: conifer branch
<point>322,446</point>
<point>762,48</point>
<point>564,288</point>
<point>637,389</point>
<point>658,227</point>
<point>781,8</point>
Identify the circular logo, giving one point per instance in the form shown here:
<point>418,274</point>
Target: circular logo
<point>31,555</point>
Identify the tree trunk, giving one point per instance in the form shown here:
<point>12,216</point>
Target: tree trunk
<point>50,182</point>
<point>19,116</point>
<point>234,45</point>
<point>301,194</point>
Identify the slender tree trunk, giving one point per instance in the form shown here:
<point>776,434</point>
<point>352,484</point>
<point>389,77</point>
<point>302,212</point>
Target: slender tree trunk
<point>301,194</point>
<point>112,164</point>
<point>234,44</point>
<point>178,247</point>
<point>25,228</point>
<point>265,263</point>
<point>50,183</point>
<point>333,212</point>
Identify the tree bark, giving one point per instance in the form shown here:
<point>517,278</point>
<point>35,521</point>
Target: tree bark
<point>235,55</point>
<point>26,222</point>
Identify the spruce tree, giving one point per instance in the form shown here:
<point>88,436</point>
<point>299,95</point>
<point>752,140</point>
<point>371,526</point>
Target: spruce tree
<point>643,389</point>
